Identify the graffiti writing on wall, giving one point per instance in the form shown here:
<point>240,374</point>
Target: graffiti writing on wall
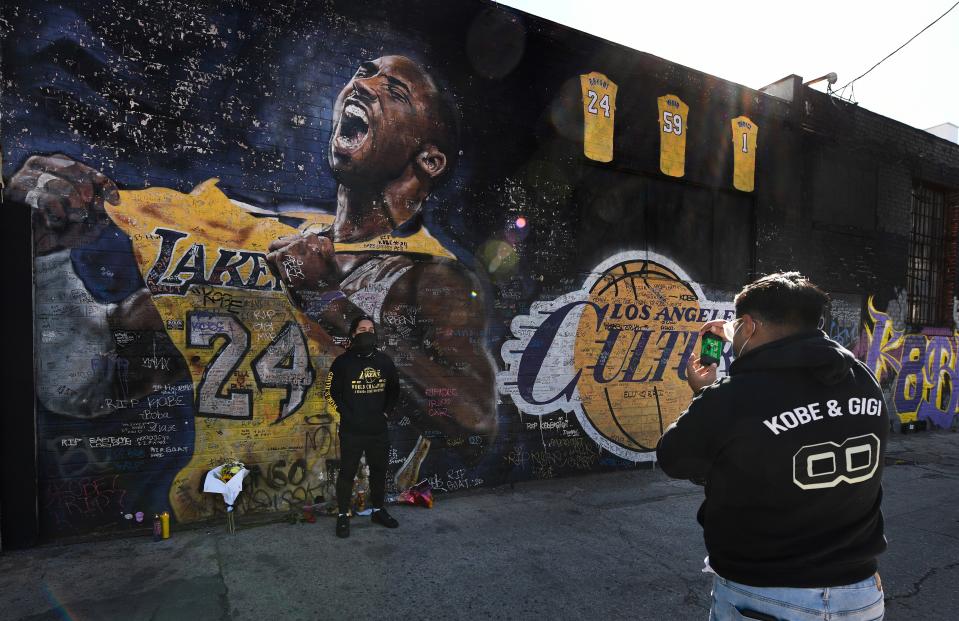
<point>200,329</point>
<point>843,321</point>
<point>233,188</point>
<point>920,369</point>
<point>614,352</point>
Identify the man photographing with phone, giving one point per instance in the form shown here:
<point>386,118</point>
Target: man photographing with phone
<point>790,446</point>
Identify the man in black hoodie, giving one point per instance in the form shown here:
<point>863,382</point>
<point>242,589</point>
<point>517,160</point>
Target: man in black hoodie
<point>363,386</point>
<point>790,448</point>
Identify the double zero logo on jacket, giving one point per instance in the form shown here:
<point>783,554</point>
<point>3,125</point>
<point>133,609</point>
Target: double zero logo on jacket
<point>613,353</point>
<point>828,464</point>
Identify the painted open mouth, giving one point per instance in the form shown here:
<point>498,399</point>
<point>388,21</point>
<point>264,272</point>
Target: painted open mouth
<point>354,127</point>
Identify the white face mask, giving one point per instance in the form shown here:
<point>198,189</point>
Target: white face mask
<point>730,328</point>
<point>729,331</point>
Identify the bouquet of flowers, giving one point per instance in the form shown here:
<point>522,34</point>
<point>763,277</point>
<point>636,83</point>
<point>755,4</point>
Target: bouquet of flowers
<point>228,481</point>
<point>228,470</point>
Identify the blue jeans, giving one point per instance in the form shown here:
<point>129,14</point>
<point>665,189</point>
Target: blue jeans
<point>861,601</point>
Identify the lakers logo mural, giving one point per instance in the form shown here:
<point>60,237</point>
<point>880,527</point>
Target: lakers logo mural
<point>614,353</point>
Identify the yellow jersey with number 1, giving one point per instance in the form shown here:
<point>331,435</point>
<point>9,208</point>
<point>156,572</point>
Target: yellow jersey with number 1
<point>673,114</point>
<point>745,136</point>
<point>599,116</point>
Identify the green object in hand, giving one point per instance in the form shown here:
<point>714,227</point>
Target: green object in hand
<point>711,351</point>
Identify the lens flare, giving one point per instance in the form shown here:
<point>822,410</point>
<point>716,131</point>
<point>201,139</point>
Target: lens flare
<point>499,257</point>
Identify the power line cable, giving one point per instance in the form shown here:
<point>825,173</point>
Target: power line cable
<point>949,10</point>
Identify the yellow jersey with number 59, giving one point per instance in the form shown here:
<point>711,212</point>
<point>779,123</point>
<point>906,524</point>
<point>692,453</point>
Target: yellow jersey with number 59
<point>673,115</point>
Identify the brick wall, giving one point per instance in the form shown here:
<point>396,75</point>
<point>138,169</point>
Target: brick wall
<point>171,94</point>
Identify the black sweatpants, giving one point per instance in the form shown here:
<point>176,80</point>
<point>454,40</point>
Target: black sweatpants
<point>352,447</point>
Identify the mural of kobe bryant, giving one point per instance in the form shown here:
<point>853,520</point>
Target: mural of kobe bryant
<point>394,139</point>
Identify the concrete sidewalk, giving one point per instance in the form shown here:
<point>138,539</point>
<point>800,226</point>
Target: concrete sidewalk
<point>602,546</point>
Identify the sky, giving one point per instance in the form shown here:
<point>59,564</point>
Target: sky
<point>756,43</point>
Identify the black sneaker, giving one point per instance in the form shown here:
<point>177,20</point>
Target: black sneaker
<point>343,526</point>
<point>380,516</point>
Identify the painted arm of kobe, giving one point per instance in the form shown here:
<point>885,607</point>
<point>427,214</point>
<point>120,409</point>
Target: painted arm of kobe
<point>433,326</point>
<point>435,316</point>
<point>82,367</point>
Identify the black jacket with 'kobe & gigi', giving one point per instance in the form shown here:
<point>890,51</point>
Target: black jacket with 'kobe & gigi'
<point>790,446</point>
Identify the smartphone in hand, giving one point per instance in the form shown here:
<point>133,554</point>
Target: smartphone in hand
<point>711,349</point>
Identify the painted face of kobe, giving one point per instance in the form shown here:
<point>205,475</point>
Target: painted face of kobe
<point>380,120</point>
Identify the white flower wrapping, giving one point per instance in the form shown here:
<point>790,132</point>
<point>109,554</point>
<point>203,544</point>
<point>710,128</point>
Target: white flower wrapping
<point>230,488</point>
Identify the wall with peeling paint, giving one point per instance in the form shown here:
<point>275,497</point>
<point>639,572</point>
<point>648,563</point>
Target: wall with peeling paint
<point>165,343</point>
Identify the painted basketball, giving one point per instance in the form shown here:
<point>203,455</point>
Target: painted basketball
<point>630,352</point>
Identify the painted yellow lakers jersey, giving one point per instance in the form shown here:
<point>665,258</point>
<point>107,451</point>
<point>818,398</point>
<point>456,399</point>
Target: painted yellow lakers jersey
<point>257,363</point>
<point>599,116</point>
<point>745,137</point>
<point>673,115</point>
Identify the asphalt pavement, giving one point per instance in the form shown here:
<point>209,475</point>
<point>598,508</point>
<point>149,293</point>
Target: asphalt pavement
<point>606,546</point>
